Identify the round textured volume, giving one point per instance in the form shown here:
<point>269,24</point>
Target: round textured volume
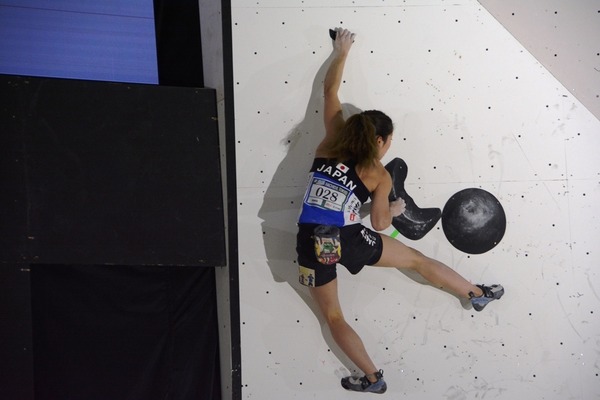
<point>473,221</point>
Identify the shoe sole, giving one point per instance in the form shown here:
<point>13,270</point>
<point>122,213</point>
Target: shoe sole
<point>497,296</point>
<point>379,391</point>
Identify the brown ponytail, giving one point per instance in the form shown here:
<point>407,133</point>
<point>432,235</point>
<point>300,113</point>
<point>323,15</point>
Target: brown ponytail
<point>357,140</point>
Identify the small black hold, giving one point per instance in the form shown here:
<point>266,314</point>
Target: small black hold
<point>332,34</point>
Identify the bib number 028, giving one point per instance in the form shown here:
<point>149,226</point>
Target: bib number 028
<point>327,195</point>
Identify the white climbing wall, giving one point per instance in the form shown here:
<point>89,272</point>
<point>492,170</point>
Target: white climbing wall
<point>472,109</point>
<point>563,36</point>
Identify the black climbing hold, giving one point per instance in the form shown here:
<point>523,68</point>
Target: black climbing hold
<point>415,222</point>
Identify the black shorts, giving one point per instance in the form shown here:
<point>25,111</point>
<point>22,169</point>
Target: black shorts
<point>360,246</point>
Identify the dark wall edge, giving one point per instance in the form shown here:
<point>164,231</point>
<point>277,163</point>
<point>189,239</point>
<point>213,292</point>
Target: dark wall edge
<point>232,201</point>
<point>217,49</point>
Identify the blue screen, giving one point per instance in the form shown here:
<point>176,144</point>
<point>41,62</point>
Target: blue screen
<point>107,40</point>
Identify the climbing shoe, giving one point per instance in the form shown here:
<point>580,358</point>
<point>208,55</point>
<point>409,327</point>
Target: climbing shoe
<point>490,293</point>
<point>364,385</point>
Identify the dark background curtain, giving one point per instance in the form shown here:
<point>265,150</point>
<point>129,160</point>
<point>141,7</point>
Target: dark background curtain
<point>124,332</point>
<point>74,323</point>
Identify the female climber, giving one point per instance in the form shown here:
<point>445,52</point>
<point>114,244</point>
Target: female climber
<point>346,172</point>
